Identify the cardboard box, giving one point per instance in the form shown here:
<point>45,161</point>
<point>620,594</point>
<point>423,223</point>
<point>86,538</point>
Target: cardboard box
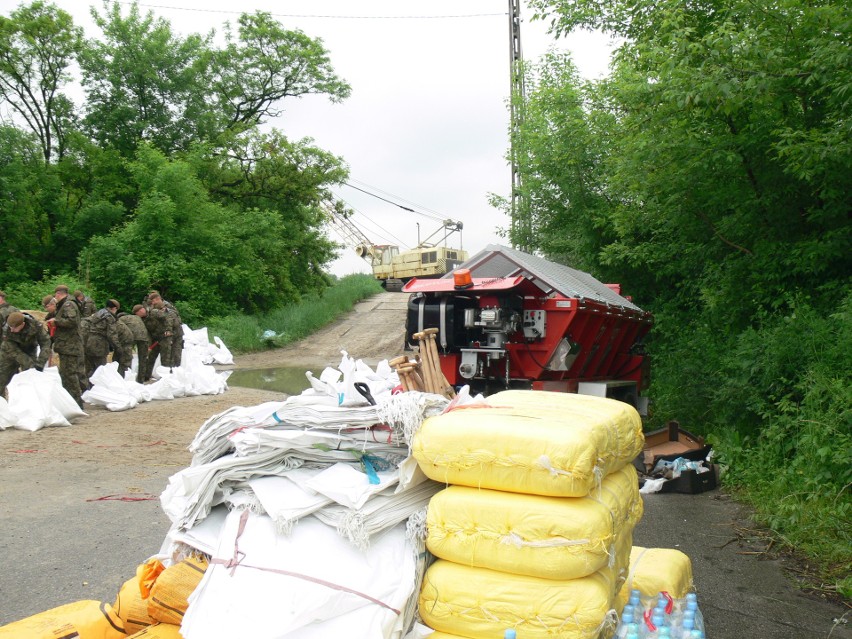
<point>669,443</point>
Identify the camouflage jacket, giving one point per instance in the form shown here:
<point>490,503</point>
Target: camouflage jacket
<point>136,325</point>
<point>156,323</point>
<point>87,306</point>
<point>101,336</point>
<point>28,347</point>
<point>6,310</point>
<point>66,337</point>
<point>123,334</point>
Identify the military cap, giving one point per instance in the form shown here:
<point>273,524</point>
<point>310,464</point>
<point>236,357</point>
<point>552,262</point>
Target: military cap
<point>113,304</point>
<point>47,299</point>
<point>60,288</point>
<point>15,319</point>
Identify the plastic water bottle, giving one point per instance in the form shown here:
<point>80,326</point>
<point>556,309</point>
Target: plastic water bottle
<point>692,605</point>
<point>635,599</point>
<point>625,624</point>
<point>686,626</point>
<point>696,634</point>
<point>659,621</point>
<point>510,634</point>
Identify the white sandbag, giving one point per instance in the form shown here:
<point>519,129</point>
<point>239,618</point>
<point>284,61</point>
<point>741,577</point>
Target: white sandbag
<point>37,399</point>
<point>7,417</point>
<point>109,389</point>
<point>309,585</point>
<point>222,355</point>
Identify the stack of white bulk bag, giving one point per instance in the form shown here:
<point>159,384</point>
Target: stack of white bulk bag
<point>535,530</point>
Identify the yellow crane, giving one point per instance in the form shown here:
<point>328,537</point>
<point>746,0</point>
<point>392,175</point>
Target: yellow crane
<point>393,267</point>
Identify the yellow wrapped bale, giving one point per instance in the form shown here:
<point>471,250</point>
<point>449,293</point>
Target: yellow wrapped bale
<point>653,570</point>
<point>158,631</point>
<point>170,593</point>
<point>533,442</point>
<point>548,537</point>
<point>129,604</point>
<point>480,603</point>
<point>85,619</point>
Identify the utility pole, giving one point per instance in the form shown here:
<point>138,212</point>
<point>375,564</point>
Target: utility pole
<point>521,224</point>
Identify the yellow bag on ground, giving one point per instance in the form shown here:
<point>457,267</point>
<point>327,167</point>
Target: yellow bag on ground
<point>85,619</point>
<point>653,570</point>
<point>129,604</point>
<point>532,442</point>
<point>480,603</point>
<point>170,593</point>
<point>547,537</point>
<point>158,631</point>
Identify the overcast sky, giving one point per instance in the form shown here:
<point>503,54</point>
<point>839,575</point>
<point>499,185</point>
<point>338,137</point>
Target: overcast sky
<point>426,124</point>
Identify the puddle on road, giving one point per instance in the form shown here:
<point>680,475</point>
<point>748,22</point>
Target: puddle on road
<point>289,380</point>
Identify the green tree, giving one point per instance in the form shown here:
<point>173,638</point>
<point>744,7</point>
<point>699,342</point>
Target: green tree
<point>38,42</point>
<point>28,189</point>
<point>266,171</point>
<point>212,258</point>
<point>263,63</point>
<point>725,169</point>
<point>143,82</point>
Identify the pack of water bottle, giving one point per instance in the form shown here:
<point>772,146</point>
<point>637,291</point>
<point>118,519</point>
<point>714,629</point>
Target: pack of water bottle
<point>661,617</point>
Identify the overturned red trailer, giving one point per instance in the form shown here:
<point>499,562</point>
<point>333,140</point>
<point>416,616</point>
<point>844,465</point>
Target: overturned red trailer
<point>510,319</point>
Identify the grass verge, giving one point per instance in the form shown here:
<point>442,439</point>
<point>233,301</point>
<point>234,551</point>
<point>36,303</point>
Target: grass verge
<point>247,334</point>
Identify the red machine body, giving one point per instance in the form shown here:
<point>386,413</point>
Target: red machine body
<point>523,321</point>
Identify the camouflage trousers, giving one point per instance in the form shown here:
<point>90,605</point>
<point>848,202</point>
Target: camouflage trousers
<point>69,373</point>
<point>142,361</point>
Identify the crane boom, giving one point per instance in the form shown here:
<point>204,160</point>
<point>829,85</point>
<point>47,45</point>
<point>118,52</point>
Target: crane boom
<point>389,265</point>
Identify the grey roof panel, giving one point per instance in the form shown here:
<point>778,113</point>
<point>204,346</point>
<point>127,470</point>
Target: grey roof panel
<point>501,261</point>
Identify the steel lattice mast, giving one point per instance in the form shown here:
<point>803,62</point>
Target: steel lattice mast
<point>521,225</point>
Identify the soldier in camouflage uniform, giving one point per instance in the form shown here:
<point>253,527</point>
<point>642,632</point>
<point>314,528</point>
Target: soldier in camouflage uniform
<point>101,337</point>
<point>86,304</point>
<point>66,339</point>
<point>5,309</point>
<point>155,322</point>
<point>25,345</point>
<point>140,335</point>
<point>174,327</point>
<point>124,347</point>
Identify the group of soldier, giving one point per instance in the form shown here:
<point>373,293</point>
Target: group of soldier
<point>83,338</point>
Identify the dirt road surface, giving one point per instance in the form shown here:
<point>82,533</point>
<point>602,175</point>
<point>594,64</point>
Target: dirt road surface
<point>79,507</point>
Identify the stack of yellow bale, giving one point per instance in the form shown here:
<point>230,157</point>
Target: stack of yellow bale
<point>535,529</point>
<point>150,605</point>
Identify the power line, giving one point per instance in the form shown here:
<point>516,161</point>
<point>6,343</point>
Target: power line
<point>397,204</point>
<point>325,17</point>
<point>435,214</point>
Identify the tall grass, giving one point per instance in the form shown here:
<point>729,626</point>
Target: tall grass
<point>246,334</point>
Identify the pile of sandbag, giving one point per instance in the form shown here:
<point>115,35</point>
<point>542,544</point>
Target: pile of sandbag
<point>310,512</point>
<point>535,530</point>
<point>37,399</point>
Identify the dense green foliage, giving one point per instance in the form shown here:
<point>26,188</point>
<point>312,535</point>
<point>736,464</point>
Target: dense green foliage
<point>162,178</point>
<point>293,322</point>
<point>710,174</point>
